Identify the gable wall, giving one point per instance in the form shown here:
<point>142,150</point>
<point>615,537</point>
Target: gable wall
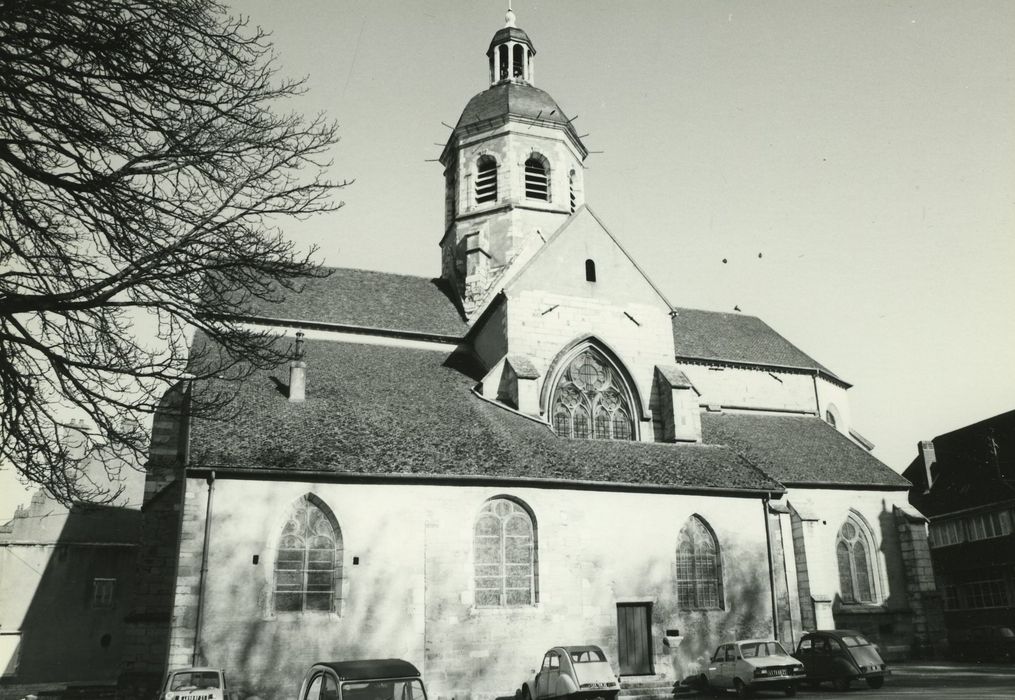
<point>411,595</point>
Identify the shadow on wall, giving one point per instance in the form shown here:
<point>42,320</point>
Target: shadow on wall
<point>80,586</point>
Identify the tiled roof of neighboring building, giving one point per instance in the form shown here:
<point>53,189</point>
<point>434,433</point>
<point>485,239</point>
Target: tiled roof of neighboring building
<point>736,338</point>
<point>375,410</point>
<point>800,450</point>
<point>974,468</point>
<point>372,300</point>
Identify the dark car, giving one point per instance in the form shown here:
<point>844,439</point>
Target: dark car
<point>365,679</point>
<point>984,643</point>
<point>841,656</point>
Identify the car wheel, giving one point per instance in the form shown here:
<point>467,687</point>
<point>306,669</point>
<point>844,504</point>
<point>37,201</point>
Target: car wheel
<point>841,684</point>
<point>742,690</point>
<point>875,682</point>
<point>790,690</point>
<point>526,695</point>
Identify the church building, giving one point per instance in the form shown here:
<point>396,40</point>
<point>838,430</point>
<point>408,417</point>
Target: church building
<point>538,448</point>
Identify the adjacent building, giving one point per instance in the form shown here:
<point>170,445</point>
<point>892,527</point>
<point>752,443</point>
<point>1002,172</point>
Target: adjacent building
<point>964,481</point>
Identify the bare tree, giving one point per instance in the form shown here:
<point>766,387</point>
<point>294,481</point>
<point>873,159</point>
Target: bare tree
<point>143,171</point>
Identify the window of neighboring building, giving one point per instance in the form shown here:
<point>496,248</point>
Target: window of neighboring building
<point>103,590</point>
<point>699,567</point>
<point>504,545</point>
<point>946,532</point>
<point>537,178</point>
<point>830,418</point>
<point>989,593</point>
<point>308,564</point>
<point>951,597</point>
<point>854,553</point>
<point>590,270</point>
<point>570,187</point>
<point>591,400</point>
<point>987,525</point>
<point>486,180</point>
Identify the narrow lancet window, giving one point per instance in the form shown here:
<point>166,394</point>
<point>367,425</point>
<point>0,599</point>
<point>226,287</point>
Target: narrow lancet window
<point>590,270</point>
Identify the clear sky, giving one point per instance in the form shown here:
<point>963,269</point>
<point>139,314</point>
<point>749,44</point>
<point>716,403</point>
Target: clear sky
<point>865,149</point>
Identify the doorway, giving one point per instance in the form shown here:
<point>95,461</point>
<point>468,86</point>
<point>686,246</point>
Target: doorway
<point>634,638</point>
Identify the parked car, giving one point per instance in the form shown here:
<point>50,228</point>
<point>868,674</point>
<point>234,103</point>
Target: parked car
<point>573,672</point>
<point>196,684</point>
<point>984,643</point>
<point>364,679</point>
<point>841,656</point>
<point>753,664</point>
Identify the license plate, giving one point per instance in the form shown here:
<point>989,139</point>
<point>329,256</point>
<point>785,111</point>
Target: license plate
<point>777,672</point>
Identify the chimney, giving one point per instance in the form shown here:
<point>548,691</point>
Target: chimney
<point>929,461</point>
<point>298,373</point>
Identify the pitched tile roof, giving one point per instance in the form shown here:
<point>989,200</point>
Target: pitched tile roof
<point>799,450</point>
<point>390,410</point>
<point>975,467</point>
<point>736,338</point>
<point>372,300</point>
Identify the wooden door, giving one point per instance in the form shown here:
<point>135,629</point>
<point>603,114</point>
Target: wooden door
<point>634,638</point>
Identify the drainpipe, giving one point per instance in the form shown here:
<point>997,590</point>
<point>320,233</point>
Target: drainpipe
<point>771,567</point>
<point>204,568</point>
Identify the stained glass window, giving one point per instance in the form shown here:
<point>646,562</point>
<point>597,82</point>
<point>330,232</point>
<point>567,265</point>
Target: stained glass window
<point>699,568</point>
<point>308,564</point>
<point>590,400</point>
<point>504,555</point>
<point>856,571</point>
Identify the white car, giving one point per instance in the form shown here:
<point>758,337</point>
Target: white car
<point>196,684</point>
<point>753,664</point>
<point>573,672</point>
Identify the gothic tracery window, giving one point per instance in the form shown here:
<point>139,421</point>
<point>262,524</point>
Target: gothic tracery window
<point>505,555</point>
<point>591,400</point>
<point>308,563</point>
<point>699,568</point>
<point>853,552</point>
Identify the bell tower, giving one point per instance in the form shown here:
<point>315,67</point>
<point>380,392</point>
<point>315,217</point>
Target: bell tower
<point>512,169</point>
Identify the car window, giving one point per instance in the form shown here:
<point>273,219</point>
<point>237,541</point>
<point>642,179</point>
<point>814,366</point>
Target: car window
<point>822,646</point>
<point>197,680</point>
<point>855,641</point>
<point>720,654</point>
<point>330,689</point>
<point>314,689</point>
<point>587,656</point>
<point>806,644</point>
<point>546,661</point>
<point>1006,633</point>
<point>554,661</point>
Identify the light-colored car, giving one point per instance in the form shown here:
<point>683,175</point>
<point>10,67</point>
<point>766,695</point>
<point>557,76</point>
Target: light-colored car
<point>364,679</point>
<point>753,664</point>
<point>198,683</point>
<point>573,672</point>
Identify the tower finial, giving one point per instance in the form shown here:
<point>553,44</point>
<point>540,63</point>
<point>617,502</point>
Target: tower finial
<point>509,16</point>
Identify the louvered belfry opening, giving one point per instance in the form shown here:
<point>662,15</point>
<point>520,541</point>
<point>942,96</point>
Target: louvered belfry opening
<point>570,185</point>
<point>537,183</point>
<point>486,180</point>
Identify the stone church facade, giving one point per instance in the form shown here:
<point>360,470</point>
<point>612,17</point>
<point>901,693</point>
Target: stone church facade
<point>535,449</point>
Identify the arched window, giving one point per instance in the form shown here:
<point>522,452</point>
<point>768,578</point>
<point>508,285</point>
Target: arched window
<point>505,555</point>
<point>699,567</point>
<point>486,180</point>
<point>308,564</point>
<point>503,51</point>
<point>591,400</point>
<point>537,178</point>
<point>855,555</point>
<point>590,270</point>
<point>830,418</point>
<point>519,62</point>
